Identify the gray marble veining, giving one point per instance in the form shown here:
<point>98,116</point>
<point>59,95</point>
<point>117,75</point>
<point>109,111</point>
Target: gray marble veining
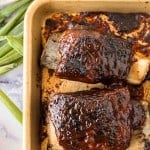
<point>10,128</point>
<point>11,83</point>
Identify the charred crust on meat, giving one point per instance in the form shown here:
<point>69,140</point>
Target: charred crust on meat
<point>88,56</point>
<point>94,119</point>
<point>138,116</point>
<point>125,22</point>
<point>147,145</point>
<point>105,134</point>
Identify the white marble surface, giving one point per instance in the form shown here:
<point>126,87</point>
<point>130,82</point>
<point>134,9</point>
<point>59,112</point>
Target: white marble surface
<point>10,128</point>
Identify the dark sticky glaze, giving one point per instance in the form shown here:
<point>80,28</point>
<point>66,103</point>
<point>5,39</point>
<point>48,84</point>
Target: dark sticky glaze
<point>138,116</point>
<point>91,57</point>
<point>62,21</point>
<point>146,36</point>
<point>43,120</point>
<point>136,92</point>
<point>59,22</point>
<point>95,120</point>
<point>147,145</point>
<point>125,22</point>
<point>51,24</point>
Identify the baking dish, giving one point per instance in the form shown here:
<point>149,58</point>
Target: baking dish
<point>32,50</point>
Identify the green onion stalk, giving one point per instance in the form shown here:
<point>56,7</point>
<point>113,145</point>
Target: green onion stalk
<point>11,45</point>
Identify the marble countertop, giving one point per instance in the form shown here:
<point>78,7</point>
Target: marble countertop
<point>10,128</point>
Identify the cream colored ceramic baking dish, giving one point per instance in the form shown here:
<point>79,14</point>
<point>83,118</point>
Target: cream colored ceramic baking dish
<point>32,48</point>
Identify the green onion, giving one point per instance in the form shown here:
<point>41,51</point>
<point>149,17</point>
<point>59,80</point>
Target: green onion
<point>2,38</point>
<point>11,106</point>
<point>8,10</point>
<point>6,68</point>
<point>5,29</point>
<point>4,49</point>
<point>16,43</point>
<point>2,43</point>
<point>11,45</point>
<point>17,29</point>
<point>9,57</point>
<point>2,19</point>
